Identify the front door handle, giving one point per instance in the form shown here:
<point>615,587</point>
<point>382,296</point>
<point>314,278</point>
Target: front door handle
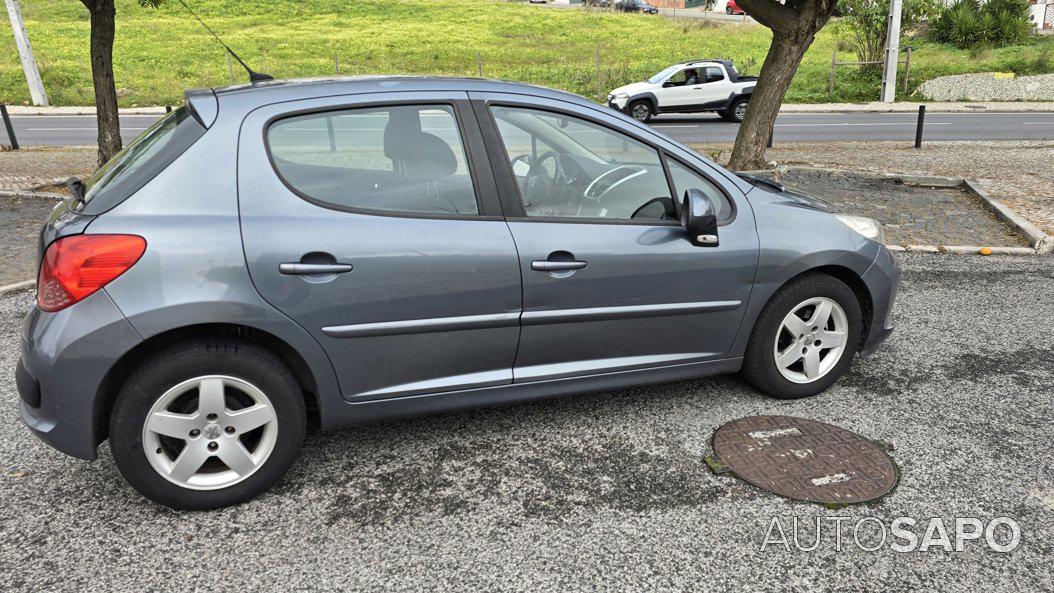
<point>556,266</point>
<point>299,269</point>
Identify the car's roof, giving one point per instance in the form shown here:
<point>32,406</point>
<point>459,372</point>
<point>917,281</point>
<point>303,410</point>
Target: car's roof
<point>706,61</point>
<point>272,91</point>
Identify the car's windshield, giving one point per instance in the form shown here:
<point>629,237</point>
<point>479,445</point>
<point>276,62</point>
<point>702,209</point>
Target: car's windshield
<point>662,75</point>
<point>142,160</point>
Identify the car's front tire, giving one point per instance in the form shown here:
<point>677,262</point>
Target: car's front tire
<point>804,338</point>
<point>640,110</point>
<point>728,10</point>
<point>737,111</point>
<point>207,424</point>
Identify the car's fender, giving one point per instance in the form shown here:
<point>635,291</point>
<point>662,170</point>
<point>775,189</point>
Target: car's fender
<point>794,239</point>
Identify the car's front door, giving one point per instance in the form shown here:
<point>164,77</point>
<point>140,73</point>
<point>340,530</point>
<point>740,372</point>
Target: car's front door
<point>369,222</point>
<point>679,90</point>
<point>611,281</point>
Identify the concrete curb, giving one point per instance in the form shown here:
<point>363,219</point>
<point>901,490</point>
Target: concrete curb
<point>1040,242</point>
<point>80,110</point>
<point>6,193</point>
<point>913,107</point>
<point>17,287</point>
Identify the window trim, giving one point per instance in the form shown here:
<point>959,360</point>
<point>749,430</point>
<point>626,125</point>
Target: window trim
<point>493,136</point>
<point>482,210</point>
<point>677,201</point>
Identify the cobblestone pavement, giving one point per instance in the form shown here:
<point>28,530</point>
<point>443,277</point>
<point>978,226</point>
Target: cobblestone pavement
<point>29,167</point>
<point>1019,174</point>
<point>910,215</point>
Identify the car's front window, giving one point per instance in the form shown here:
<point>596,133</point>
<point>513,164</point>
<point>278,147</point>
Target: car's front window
<point>661,76</point>
<point>568,167</point>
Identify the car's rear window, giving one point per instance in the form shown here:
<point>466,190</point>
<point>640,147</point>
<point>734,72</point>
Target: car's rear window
<point>141,160</point>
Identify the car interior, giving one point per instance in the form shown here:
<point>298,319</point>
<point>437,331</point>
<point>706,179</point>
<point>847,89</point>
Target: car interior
<point>377,159</point>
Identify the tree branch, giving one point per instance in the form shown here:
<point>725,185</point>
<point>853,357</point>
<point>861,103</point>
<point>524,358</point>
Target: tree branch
<point>770,13</point>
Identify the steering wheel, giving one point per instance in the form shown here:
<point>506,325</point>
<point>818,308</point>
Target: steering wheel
<point>538,186</point>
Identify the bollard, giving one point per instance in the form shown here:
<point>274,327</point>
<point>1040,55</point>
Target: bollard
<point>10,128</point>
<point>918,127</point>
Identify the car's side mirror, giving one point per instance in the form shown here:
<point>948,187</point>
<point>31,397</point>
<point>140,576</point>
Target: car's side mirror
<point>667,84</point>
<point>699,218</point>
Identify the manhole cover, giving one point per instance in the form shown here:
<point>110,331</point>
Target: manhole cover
<point>804,459</point>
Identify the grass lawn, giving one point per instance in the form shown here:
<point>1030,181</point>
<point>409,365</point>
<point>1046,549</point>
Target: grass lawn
<point>160,52</point>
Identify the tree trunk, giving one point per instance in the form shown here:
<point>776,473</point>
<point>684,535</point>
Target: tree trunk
<point>785,53</point>
<point>102,35</point>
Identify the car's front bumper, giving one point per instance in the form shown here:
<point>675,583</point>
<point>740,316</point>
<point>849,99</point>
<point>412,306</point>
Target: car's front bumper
<point>66,357</point>
<point>883,281</point>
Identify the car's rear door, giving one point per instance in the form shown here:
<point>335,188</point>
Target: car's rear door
<point>611,281</point>
<point>369,221</point>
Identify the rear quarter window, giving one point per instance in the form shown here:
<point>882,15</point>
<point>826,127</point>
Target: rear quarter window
<point>146,156</point>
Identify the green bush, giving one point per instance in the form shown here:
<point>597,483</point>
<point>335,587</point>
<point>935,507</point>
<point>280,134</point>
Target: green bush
<point>967,24</point>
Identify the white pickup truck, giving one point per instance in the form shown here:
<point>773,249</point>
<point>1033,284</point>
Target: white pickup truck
<point>689,87</point>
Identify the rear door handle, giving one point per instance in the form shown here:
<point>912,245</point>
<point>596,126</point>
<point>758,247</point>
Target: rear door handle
<point>556,266</point>
<point>299,269</point>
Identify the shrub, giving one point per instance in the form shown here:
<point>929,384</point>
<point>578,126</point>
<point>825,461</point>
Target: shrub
<point>868,27</point>
<point>968,24</point>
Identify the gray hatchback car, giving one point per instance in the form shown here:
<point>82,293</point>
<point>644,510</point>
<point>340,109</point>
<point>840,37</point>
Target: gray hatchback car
<point>333,252</point>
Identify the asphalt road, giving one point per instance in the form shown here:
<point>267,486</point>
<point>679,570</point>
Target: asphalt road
<point>600,492</point>
<point>52,130</point>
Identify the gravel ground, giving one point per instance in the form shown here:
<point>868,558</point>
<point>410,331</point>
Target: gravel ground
<point>599,492</point>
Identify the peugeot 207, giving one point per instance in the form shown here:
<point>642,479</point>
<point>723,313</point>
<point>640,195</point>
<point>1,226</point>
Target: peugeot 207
<point>333,252</point>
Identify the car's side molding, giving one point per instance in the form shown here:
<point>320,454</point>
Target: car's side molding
<point>443,324</point>
<point>420,326</point>
<point>626,312</point>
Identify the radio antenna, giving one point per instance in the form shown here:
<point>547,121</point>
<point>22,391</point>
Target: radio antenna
<point>253,76</point>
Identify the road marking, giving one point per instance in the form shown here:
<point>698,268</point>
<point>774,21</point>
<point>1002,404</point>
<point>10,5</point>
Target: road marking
<point>1037,123</point>
<point>821,125</point>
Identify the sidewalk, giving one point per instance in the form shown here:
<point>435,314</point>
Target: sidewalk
<point>870,107</point>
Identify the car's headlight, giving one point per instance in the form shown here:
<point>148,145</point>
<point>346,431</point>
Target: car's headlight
<point>621,96</point>
<point>868,227</point>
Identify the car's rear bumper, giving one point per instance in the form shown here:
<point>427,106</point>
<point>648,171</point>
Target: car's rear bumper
<point>882,280</point>
<point>66,356</point>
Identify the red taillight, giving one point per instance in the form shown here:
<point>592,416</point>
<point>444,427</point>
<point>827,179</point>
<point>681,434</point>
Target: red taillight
<point>76,266</point>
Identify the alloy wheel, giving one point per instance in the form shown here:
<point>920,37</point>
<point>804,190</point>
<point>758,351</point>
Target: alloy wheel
<point>641,112</point>
<point>811,340</point>
<point>210,432</point>
<point>741,110</point>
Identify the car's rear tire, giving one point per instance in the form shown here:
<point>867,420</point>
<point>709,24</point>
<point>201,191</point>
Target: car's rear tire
<point>804,338</point>
<point>640,110</point>
<point>207,424</point>
<point>737,111</point>
<point>728,10</point>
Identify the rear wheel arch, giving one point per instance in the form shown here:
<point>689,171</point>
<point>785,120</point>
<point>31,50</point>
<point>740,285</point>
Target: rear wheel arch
<point>127,364</point>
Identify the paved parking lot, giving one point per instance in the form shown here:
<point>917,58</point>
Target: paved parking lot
<point>599,492</point>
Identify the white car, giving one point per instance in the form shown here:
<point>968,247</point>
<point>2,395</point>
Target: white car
<point>689,87</point>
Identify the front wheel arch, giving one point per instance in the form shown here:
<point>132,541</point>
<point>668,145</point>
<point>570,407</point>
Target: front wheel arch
<point>851,279</point>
